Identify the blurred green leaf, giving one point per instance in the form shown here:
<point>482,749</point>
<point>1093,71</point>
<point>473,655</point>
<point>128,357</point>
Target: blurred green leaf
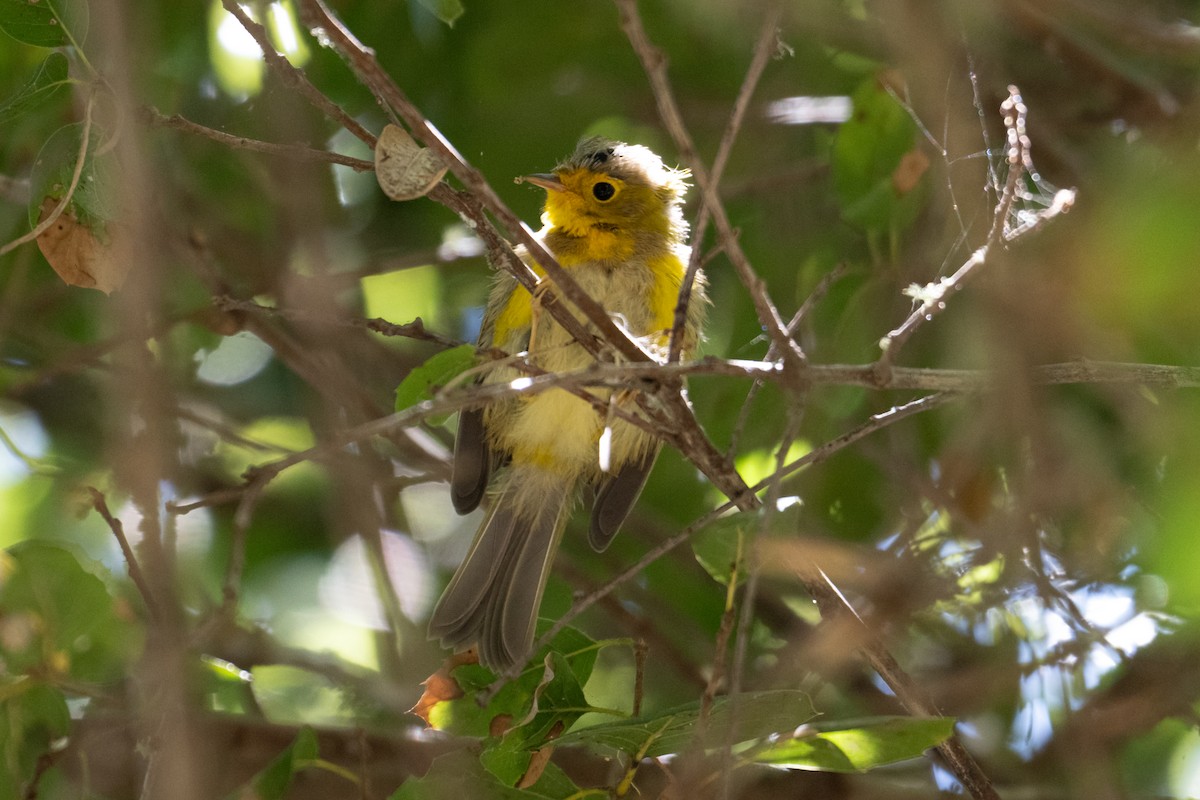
<point>877,166</point>
<point>93,202</point>
<point>59,620</point>
<point>405,295</point>
<point>448,11</point>
<point>51,75</point>
<point>720,547</point>
<point>273,781</point>
<point>860,745</point>
<point>754,715</point>
<point>424,382</point>
<point>33,717</point>
<point>47,23</point>
<point>290,695</point>
<point>459,775</point>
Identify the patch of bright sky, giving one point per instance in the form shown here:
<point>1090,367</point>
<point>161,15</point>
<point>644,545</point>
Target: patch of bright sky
<point>237,59</point>
<point>1050,689</point>
<point>20,429</point>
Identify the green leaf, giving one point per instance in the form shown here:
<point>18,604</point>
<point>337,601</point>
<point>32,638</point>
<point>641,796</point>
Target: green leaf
<point>464,716</point>
<point>862,746</point>
<point>558,701</point>
<point>757,715</point>
<point>720,547</point>
<point>50,76</point>
<point>60,619</point>
<point>46,23</point>
<point>92,202</point>
<point>448,11</point>
<point>273,782</point>
<point>423,382</point>
<point>459,775</point>
<point>508,761</point>
<point>868,154</point>
<point>33,717</point>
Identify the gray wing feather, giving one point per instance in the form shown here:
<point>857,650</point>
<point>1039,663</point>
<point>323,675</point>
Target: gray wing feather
<point>472,462</point>
<point>615,499</point>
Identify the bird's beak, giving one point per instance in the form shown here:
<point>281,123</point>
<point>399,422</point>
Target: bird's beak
<point>547,180</point>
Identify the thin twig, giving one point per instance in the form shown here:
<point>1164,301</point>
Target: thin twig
<point>949,384</point>
<point>61,207</point>
<point>871,425</point>
<point>135,569</point>
<point>932,298</point>
<point>480,193</point>
<point>237,547</point>
<point>768,43</point>
<point>296,152</point>
<point>750,591</point>
<point>410,330</point>
<point>295,78</point>
<point>655,65</point>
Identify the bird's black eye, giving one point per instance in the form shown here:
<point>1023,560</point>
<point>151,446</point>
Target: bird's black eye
<point>603,190</point>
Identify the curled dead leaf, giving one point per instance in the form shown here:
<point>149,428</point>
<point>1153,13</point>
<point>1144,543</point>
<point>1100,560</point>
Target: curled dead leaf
<point>404,169</point>
<point>441,686</point>
<point>78,256</point>
<point>540,758</point>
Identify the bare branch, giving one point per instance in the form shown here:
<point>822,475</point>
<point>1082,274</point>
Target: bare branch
<point>296,152</point>
<point>295,78</point>
<point>655,65</point>
<point>135,569</point>
<point>768,44</point>
<point>932,298</point>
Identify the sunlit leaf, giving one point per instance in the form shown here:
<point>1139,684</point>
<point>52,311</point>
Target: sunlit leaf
<point>860,746</point>
<point>455,709</point>
<point>423,382</point>
<point>755,716</point>
<point>404,295</point>
<point>291,695</point>
<point>236,359</point>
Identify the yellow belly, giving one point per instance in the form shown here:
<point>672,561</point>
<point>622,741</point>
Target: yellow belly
<point>555,429</point>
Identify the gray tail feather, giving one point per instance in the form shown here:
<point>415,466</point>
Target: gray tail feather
<point>494,596</point>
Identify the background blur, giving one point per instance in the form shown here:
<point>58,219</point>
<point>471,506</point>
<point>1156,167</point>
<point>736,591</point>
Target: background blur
<point>1027,553</point>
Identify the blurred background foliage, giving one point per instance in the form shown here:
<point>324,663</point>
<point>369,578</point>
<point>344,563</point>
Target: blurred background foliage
<point>1029,553</point>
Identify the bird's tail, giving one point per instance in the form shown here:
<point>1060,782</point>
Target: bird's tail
<point>494,596</point>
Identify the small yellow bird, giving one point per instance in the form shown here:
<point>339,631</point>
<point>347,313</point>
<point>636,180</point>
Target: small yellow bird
<point>613,219</point>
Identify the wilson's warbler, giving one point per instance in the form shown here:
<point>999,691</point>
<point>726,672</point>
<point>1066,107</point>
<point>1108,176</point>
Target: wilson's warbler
<point>613,219</point>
